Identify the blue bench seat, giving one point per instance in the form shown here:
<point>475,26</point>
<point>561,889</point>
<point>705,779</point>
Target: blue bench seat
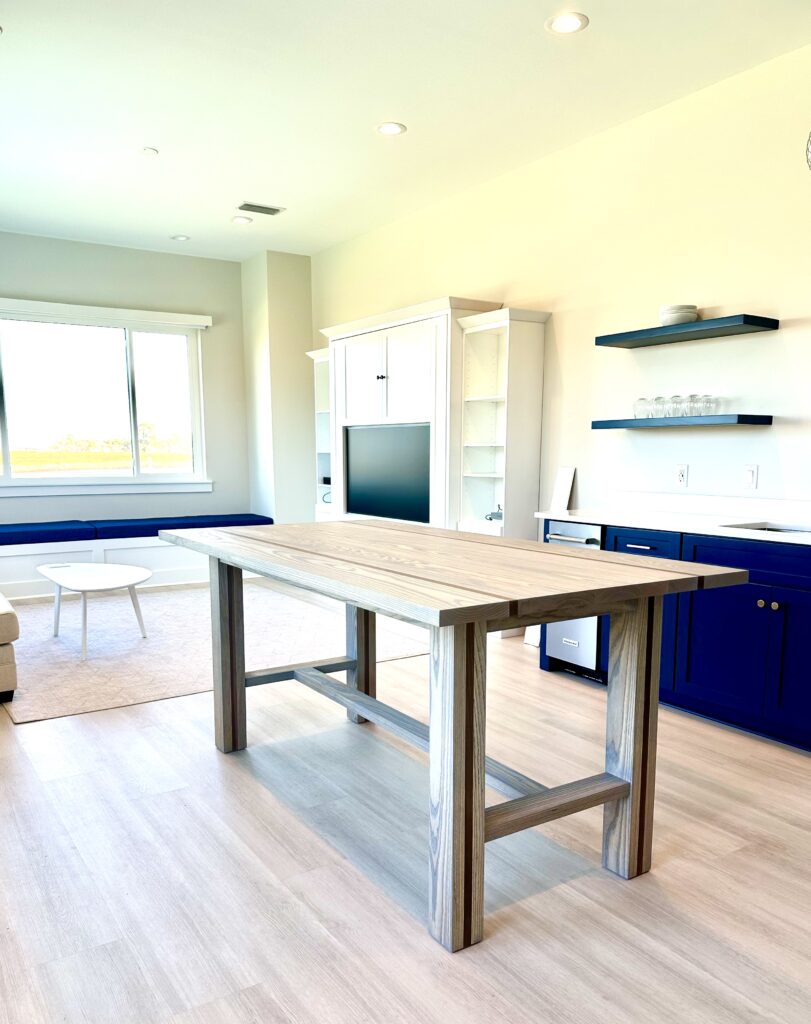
<point>108,529</point>
<point>44,533</point>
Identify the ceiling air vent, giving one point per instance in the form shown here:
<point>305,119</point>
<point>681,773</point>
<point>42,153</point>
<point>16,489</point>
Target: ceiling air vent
<point>271,211</point>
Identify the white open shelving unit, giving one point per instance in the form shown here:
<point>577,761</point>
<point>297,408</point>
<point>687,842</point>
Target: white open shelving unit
<point>501,410</point>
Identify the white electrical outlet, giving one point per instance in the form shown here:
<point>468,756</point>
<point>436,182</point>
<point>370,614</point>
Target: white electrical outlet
<point>750,477</point>
<point>681,474</point>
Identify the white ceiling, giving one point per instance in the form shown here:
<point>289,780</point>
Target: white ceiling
<point>275,101</point>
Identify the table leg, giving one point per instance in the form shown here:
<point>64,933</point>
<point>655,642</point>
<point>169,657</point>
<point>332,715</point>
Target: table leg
<point>360,645</point>
<point>630,751</point>
<point>57,607</point>
<point>84,626</point>
<point>228,635</point>
<point>456,773</point>
<point>137,607</point>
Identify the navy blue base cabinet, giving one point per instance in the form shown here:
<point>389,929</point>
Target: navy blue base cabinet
<point>737,654</point>
<point>742,653</point>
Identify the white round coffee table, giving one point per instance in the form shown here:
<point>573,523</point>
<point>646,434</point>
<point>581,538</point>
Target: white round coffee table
<point>85,578</point>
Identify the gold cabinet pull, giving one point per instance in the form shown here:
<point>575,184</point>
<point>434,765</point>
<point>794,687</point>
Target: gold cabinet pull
<point>775,606</point>
<point>761,603</point>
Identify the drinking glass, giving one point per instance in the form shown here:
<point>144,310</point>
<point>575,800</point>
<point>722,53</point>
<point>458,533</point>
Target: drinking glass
<point>709,405</point>
<point>694,405</point>
<point>642,408</point>
<point>677,405</point>
<point>659,407</point>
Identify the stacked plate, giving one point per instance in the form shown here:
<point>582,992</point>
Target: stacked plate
<point>677,315</point>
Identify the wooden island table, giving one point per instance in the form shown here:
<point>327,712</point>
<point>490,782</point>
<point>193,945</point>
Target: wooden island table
<point>462,586</point>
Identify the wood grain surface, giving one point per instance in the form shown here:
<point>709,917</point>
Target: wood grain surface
<point>630,745</point>
<point>148,879</point>
<point>462,585</point>
<point>529,811</point>
<point>228,643</point>
<point>441,577</point>
<point>499,777</point>
<point>456,785</point>
<point>360,645</point>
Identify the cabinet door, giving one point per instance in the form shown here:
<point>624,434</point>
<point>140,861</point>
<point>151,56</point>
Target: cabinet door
<point>723,649</point>
<point>410,378</point>
<point>787,707</point>
<point>365,378</point>
<point>654,544</point>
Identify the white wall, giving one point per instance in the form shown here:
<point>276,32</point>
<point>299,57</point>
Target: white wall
<point>277,312</point>
<point>290,327</point>
<point>98,275</point>
<point>257,383</point>
<point>707,200</point>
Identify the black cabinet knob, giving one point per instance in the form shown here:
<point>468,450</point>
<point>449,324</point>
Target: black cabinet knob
<point>380,376</point>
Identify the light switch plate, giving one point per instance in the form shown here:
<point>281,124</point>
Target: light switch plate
<point>750,474</point>
<point>681,474</point>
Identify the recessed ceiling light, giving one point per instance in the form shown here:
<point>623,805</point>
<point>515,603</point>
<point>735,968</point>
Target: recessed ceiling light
<point>392,128</point>
<point>149,151</point>
<point>567,23</point>
<point>242,220</point>
<point>179,238</point>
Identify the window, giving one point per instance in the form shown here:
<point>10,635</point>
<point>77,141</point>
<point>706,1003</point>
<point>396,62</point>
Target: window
<point>95,404</point>
<point>165,437</point>
<point>67,401</point>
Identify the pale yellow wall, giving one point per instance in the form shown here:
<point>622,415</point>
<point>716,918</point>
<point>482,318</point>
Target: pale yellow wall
<point>53,270</point>
<point>707,201</point>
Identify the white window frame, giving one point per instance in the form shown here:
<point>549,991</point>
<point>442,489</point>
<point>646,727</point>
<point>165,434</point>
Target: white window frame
<point>191,325</point>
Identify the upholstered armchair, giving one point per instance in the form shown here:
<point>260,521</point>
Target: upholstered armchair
<point>9,632</point>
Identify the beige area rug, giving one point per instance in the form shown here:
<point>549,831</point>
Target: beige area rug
<point>175,659</point>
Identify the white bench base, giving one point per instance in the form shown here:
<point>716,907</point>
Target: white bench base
<point>168,562</point>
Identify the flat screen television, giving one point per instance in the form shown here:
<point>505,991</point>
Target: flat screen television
<point>388,470</point>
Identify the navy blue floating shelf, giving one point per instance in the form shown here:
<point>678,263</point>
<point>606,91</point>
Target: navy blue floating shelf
<point>720,327</point>
<point>730,419</point>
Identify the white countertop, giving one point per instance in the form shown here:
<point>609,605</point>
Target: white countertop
<point>709,525</point>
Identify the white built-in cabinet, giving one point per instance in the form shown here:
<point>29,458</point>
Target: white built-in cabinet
<point>388,375</point>
<point>471,370</point>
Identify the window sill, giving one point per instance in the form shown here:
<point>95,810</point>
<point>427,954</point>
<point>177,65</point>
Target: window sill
<point>54,488</point>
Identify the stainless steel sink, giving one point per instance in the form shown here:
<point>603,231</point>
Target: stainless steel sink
<point>769,527</point>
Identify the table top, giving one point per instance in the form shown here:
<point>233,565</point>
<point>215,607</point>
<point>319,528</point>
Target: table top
<point>439,577</point>
<point>87,576</point>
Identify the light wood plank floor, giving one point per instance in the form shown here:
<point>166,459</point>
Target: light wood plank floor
<point>144,877</point>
